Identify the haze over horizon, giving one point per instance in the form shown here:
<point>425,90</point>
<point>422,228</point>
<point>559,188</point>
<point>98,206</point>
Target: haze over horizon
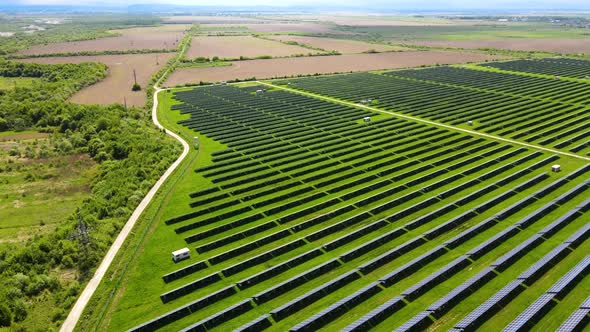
<point>423,5</point>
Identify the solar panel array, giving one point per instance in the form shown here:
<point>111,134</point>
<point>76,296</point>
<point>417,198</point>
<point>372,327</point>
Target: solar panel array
<point>315,220</point>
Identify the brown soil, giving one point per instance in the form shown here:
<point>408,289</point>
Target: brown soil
<point>23,136</point>
<point>282,27</point>
<point>562,45</point>
<point>377,20</point>
<point>117,85</point>
<point>320,64</point>
<point>211,19</point>
<point>374,20</point>
<point>165,37</point>
<point>235,46</point>
<point>341,45</point>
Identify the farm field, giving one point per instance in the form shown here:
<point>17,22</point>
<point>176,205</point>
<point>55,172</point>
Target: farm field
<point>301,216</point>
<point>558,45</point>
<point>352,19</point>
<point>203,19</point>
<point>515,32</point>
<point>271,26</point>
<point>341,45</point>
<point>116,87</point>
<point>547,112</point>
<point>164,37</point>
<point>234,47</point>
<point>269,68</point>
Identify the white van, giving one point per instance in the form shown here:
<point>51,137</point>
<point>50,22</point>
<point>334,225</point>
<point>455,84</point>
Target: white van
<point>181,254</point>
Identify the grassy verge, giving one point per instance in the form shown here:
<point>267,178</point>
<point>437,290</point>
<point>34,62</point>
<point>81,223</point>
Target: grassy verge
<point>133,256</point>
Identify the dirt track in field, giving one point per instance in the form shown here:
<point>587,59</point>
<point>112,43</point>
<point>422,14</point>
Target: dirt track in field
<point>187,19</point>
<point>306,27</point>
<point>20,136</point>
<point>320,64</point>
<point>116,87</point>
<point>154,38</point>
<point>341,45</point>
<point>235,46</point>
<point>561,45</point>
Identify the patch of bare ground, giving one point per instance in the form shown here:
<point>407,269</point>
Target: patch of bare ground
<point>235,46</point>
<point>116,87</point>
<point>561,45</point>
<point>341,45</point>
<point>281,27</point>
<point>203,19</point>
<point>154,38</point>
<point>321,65</point>
<point>23,136</point>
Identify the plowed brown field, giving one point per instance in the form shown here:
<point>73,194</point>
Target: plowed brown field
<point>561,45</point>
<point>116,87</point>
<point>320,64</point>
<point>341,45</point>
<point>235,46</point>
<point>154,38</point>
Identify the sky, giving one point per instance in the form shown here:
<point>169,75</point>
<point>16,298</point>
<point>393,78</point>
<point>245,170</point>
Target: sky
<point>389,4</point>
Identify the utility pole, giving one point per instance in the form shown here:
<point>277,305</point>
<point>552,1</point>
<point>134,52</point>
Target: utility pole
<point>157,61</point>
<point>125,102</point>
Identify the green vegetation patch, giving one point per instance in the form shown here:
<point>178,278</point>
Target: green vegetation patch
<point>7,83</point>
<point>85,176</point>
<point>39,190</point>
<point>462,32</point>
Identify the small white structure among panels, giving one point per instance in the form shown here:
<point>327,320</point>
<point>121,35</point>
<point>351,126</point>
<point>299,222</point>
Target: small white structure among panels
<point>181,254</point>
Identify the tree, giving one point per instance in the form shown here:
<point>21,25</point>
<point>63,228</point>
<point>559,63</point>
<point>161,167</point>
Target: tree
<point>5,316</point>
<point>136,86</point>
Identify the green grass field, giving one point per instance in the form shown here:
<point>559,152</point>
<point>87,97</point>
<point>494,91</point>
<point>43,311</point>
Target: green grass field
<point>19,82</point>
<point>38,193</point>
<point>468,32</point>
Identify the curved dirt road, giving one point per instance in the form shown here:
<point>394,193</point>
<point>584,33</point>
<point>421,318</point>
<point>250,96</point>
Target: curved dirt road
<point>74,315</point>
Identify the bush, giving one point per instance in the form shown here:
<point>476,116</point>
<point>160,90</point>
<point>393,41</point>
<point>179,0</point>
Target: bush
<point>136,87</point>
<point>19,307</point>
<point>5,316</point>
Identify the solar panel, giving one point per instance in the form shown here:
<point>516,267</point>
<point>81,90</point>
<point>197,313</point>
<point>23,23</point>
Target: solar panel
<point>337,309</point>
<point>441,274</point>
<point>220,317</point>
<point>377,315</point>
<point>544,264</point>
<point>584,206</point>
<point>531,314</point>
<point>475,318</point>
<point>313,295</point>
<point>576,321</point>
<point>469,233</point>
<point>416,323</point>
<point>510,257</point>
<point>454,296</point>
<point>411,266</point>
<point>565,197</point>
<point>391,255</point>
<point>493,242</point>
<point>256,325</point>
<point>571,278</point>
<point>579,236</point>
<point>561,222</point>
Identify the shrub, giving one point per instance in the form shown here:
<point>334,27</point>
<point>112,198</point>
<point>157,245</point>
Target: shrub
<point>5,316</point>
<point>136,87</point>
